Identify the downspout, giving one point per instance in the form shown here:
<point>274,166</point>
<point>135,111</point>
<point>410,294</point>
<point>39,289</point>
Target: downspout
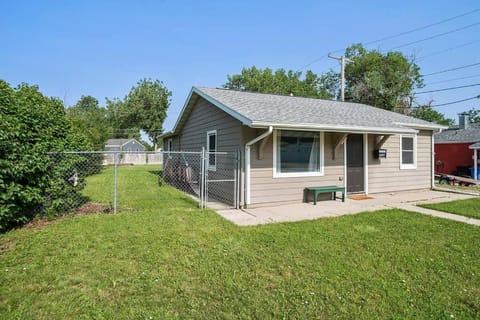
<point>247,162</point>
<point>433,157</point>
<point>433,163</point>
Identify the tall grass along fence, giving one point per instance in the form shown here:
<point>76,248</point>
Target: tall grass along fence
<point>99,180</point>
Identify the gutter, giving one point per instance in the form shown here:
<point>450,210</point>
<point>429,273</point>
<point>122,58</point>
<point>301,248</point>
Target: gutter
<point>336,128</point>
<point>247,162</point>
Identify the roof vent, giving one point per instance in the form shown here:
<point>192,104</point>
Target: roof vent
<point>463,120</point>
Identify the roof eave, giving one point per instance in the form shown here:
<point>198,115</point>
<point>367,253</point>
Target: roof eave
<point>128,141</point>
<point>335,128</point>
<point>185,105</point>
<point>244,120</point>
<point>423,126</point>
<point>167,135</point>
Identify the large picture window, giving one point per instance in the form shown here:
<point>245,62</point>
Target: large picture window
<point>298,153</point>
<point>211,149</point>
<point>408,152</point>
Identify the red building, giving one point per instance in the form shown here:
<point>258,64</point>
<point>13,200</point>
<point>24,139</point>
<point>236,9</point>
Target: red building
<point>452,152</point>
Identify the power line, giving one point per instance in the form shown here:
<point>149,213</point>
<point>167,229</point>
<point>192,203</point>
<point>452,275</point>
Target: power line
<point>421,28</point>
<point>446,50</point>
<point>454,79</point>
<point>395,35</point>
<point>447,89</point>
<point>434,36</point>
<point>452,69</point>
<point>458,101</point>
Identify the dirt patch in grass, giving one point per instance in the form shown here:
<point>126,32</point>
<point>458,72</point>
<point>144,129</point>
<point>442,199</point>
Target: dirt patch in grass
<point>7,245</point>
<point>87,208</point>
<point>91,207</point>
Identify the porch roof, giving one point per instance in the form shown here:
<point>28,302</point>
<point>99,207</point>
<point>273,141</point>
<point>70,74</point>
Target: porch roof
<point>475,146</point>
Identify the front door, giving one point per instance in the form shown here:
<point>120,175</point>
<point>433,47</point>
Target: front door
<point>355,174</point>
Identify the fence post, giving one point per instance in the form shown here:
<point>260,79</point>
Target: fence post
<point>206,160</point>
<point>115,182</point>
<point>234,181</point>
<point>237,179</point>
<point>202,178</point>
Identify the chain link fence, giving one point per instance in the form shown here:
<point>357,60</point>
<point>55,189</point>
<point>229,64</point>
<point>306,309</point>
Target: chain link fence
<point>101,181</point>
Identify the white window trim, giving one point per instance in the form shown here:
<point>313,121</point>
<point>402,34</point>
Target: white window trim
<point>297,174</point>
<point>210,133</point>
<point>408,166</point>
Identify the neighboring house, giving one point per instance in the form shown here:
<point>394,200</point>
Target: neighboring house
<point>124,145</point>
<point>288,143</point>
<point>133,153</point>
<point>453,154</point>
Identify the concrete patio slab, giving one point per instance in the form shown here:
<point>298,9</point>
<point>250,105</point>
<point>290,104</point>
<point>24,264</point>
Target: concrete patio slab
<point>307,211</point>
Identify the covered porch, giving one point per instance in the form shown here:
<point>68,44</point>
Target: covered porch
<point>475,147</point>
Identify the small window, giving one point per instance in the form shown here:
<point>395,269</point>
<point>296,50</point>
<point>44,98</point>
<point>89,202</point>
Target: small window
<point>169,145</point>
<point>211,149</point>
<point>298,153</point>
<point>408,154</point>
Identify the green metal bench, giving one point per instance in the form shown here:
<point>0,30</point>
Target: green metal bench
<point>324,189</point>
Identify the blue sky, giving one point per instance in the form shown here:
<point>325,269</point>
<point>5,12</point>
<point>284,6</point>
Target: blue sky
<point>102,48</point>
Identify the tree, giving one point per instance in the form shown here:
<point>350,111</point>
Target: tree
<point>118,120</point>
<point>382,80</point>
<point>30,183</point>
<point>474,115</point>
<point>88,116</point>
<point>145,107</point>
<point>427,113</point>
<point>278,82</point>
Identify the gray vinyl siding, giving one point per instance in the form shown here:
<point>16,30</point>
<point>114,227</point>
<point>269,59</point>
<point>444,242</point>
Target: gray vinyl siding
<point>385,175</point>
<point>175,143</point>
<point>206,117</point>
<point>266,189</point>
<point>203,118</point>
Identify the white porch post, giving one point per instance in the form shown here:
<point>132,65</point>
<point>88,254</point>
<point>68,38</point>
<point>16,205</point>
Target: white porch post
<point>247,162</point>
<point>365,162</point>
<point>475,164</point>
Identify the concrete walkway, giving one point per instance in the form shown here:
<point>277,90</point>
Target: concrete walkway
<point>308,211</point>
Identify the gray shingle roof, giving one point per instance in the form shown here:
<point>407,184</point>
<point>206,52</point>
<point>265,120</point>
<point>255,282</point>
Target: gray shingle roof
<point>454,134</point>
<point>258,109</point>
<point>116,142</point>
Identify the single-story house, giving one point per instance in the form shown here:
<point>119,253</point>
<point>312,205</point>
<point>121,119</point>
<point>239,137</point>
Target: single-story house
<point>124,145</point>
<point>453,154</point>
<point>288,143</point>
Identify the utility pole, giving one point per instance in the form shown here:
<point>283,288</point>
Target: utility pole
<point>342,60</point>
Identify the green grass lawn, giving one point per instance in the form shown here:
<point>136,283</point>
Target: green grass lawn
<point>468,208</point>
<point>165,259</point>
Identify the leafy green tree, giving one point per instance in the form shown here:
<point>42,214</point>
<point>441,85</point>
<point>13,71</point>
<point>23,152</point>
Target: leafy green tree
<point>278,82</point>
<point>427,113</point>
<point>117,119</point>
<point>31,126</point>
<point>474,115</point>
<point>145,108</point>
<point>382,80</point>
<point>88,116</point>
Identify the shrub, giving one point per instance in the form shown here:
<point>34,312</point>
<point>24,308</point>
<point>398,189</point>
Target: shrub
<point>30,183</point>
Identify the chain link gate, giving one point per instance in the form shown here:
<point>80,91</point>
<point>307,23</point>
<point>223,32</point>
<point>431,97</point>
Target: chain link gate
<point>212,177</point>
<point>222,176</point>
